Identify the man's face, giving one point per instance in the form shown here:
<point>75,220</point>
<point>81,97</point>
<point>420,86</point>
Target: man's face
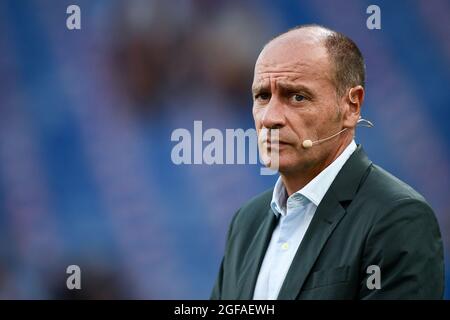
<point>293,92</point>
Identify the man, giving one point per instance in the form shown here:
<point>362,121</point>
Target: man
<point>335,226</point>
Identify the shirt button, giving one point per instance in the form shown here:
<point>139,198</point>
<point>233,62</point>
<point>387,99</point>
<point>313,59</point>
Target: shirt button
<point>285,246</point>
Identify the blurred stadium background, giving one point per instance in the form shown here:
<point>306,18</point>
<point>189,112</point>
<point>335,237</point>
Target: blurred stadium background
<point>86,117</point>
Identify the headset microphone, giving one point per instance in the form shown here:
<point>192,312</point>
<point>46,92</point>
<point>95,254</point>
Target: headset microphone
<point>362,122</point>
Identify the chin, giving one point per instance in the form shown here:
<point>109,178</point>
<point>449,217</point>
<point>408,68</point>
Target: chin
<point>287,165</point>
<point>288,161</point>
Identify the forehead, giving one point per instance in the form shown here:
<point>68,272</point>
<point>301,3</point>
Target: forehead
<point>293,59</point>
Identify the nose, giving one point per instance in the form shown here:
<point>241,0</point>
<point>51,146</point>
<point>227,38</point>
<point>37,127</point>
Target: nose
<point>273,116</point>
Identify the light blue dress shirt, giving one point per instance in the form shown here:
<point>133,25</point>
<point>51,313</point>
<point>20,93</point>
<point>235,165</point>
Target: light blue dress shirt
<point>296,213</point>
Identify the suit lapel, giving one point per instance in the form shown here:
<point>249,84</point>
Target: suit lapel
<point>325,220</point>
<point>255,255</point>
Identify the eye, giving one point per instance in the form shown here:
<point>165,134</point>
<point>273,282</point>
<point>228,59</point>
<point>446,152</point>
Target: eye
<point>298,97</point>
<point>262,96</point>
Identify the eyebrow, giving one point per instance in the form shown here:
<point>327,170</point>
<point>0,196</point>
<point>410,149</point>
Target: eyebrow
<point>260,88</point>
<point>283,86</point>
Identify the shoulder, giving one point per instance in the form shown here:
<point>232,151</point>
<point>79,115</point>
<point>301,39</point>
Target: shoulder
<point>386,188</point>
<point>390,199</point>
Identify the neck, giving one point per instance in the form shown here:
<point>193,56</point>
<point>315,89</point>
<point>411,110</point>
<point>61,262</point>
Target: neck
<point>294,181</point>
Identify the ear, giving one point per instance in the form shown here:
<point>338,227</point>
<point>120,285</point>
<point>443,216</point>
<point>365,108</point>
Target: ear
<point>352,102</point>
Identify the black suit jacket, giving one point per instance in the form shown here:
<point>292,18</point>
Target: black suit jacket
<point>367,217</point>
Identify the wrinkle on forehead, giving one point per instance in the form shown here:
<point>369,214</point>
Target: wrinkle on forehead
<point>291,72</point>
<point>292,76</point>
<point>266,79</point>
<point>289,67</point>
<point>297,61</point>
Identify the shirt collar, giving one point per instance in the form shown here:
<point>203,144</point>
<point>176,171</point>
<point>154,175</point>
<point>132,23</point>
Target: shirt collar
<point>315,190</point>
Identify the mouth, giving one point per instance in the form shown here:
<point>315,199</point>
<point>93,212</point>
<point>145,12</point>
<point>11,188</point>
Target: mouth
<point>275,145</point>
<point>279,142</point>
